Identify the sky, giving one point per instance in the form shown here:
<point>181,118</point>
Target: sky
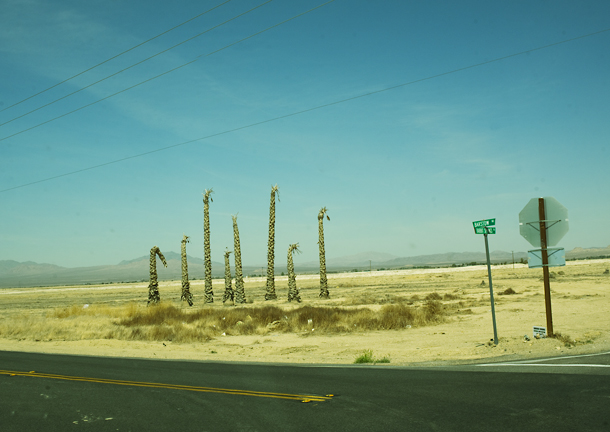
<point>407,120</point>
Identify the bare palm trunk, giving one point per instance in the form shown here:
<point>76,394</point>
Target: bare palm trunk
<point>323,281</point>
<point>209,293</point>
<point>270,294</point>
<point>186,286</point>
<point>153,286</point>
<point>229,294</point>
<point>293,291</point>
<point>240,294</point>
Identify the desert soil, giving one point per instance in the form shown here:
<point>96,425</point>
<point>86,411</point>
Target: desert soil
<point>580,306</point>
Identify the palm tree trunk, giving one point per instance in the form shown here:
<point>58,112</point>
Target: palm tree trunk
<point>293,291</point>
<point>323,281</point>
<point>209,293</point>
<point>240,293</point>
<point>270,294</point>
<point>229,294</point>
<point>186,286</point>
<point>153,286</point>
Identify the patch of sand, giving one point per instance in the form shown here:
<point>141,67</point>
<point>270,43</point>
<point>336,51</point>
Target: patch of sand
<point>580,304</point>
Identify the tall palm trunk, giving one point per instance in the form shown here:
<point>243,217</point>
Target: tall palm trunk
<point>323,281</point>
<point>270,294</point>
<point>209,293</point>
<point>293,291</point>
<point>153,286</point>
<point>229,294</point>
<point>240,294</point>
<point>186,286</point>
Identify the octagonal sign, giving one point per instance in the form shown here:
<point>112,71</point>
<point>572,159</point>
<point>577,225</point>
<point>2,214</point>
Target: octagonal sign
<point>556,221</point>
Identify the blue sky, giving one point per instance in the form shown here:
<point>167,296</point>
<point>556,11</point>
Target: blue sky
<point>404,171</point>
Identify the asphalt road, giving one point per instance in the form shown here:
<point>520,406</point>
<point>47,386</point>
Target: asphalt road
<point>590,364</point>
<point>59,393</point>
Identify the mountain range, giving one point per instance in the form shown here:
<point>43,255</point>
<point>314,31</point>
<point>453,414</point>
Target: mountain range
<point>28,274</point>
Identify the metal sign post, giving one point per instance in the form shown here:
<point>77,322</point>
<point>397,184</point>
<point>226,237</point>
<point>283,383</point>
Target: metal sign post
<point>483,227</point>
<point>491,290</point>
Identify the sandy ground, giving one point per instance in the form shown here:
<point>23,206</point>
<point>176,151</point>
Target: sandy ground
<point>580,304</point>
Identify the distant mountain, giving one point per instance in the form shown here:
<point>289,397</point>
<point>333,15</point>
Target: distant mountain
<point>363,259</point>
<point>27,274</point>
<point>14,274</point>
<point>8,267</point>
<point>375,260</point>
<point>596,252</point>
<point>168,256</point>
<point>450,258</point>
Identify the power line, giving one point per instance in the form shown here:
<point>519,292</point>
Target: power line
<point>135,64</point>
<point>166,72</point>
<point>308,110</point>
<point>115,56</point>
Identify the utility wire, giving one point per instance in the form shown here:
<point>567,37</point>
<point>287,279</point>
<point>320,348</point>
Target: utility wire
<point>115,56</point>
<point>167,72</point>
<point>431,77</point>
<point>135,64</point>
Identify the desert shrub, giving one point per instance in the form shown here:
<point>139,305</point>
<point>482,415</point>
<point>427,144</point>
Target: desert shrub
<point>508,291</point>
<point>368,357</point>
<point>363,299</point>
<point>397,316</point>
<point>433,310</point>
<point>74,310</point>
<point>161,333</point>
<point>322,318</point>
<point>175,333</point>
<point>565,339</point>
<point>368,299</point>
<point>154,315</point>
<point>433,296</point>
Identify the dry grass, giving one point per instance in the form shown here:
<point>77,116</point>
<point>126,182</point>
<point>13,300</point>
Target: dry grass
<point>569,342</point>
<point>168,322</point>
<point>266,319</point>
<point>93,311</point>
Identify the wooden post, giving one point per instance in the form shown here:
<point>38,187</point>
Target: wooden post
<point>545,267</point>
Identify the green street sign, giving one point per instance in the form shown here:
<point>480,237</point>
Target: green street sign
<point>484,230</point>
<point>483,223</point>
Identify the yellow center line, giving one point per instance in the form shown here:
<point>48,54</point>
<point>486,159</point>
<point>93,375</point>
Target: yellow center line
<point>302,398</point>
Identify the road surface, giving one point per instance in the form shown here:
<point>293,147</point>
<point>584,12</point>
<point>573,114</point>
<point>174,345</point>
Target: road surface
<point>59,392</point>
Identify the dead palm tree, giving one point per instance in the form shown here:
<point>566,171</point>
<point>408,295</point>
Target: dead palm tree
<point>209,293</point>
<point>270,294</point>
<point>240,294</point>
<point>229,294</point>
<point>153,286</point>
<point>293,291</point>
<point>186,286</point>
<point>323,281</point>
